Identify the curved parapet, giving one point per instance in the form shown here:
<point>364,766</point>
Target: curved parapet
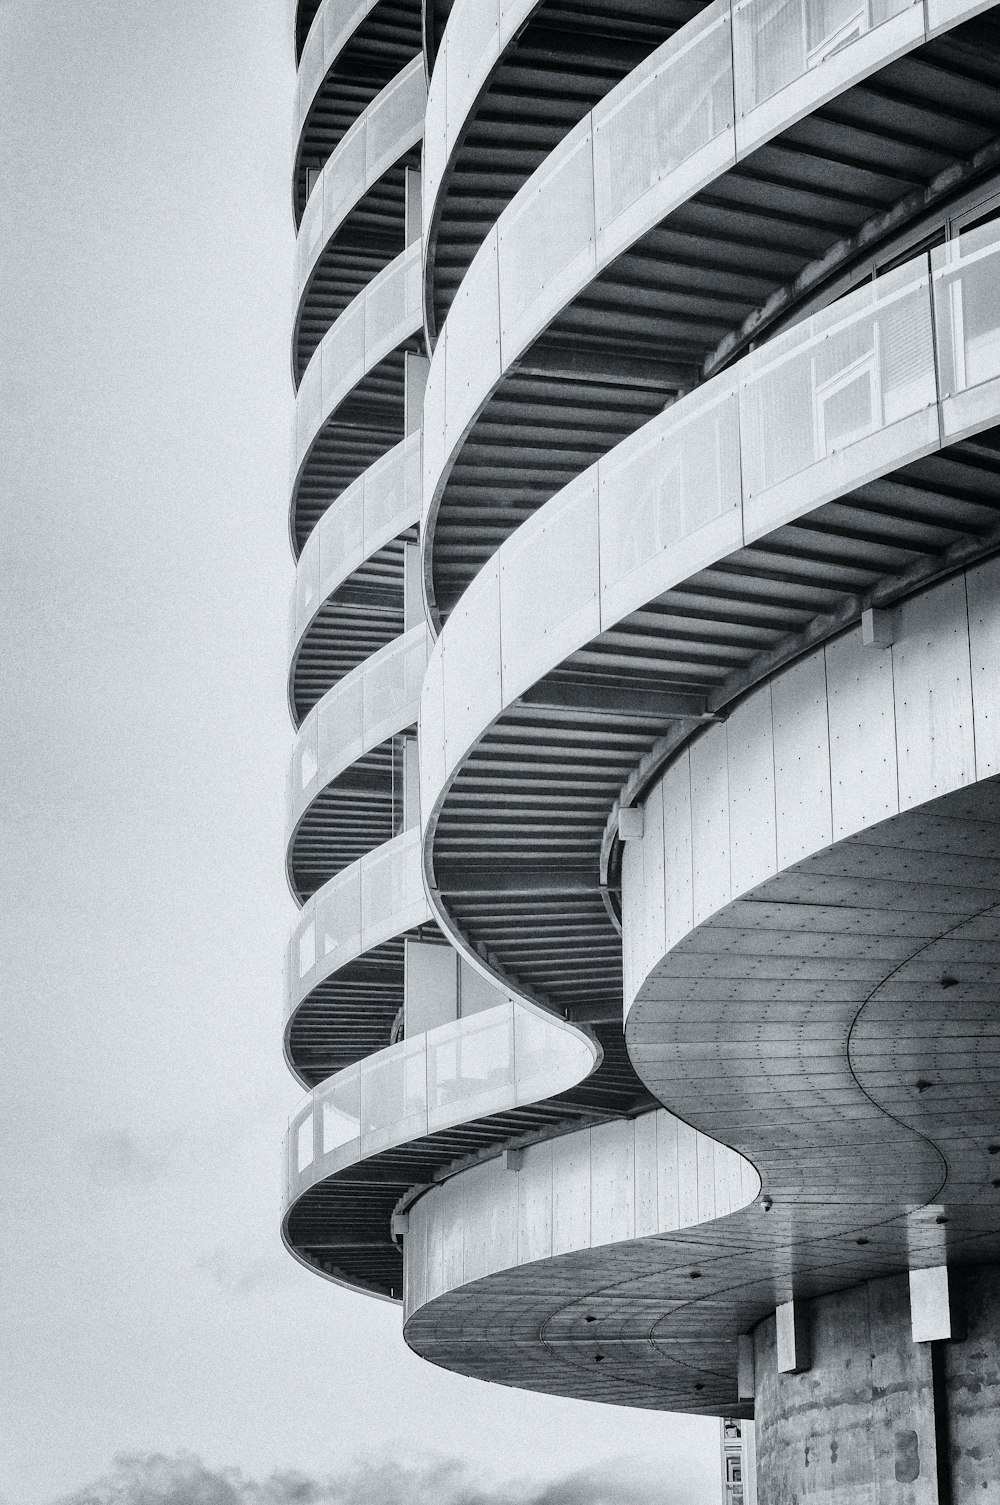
<point>360,538</point>
<point>352,49</point>
<point>349,732</point>
<point>651,592</point>
<point>378,897</point>
<point>355,220</point>
<point>409,1110</point>
<point>349,407</point>
<point>548,352</point>
<point>580,1211</point>
<point>812,939</point>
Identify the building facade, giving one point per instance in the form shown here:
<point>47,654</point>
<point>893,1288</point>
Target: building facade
<point>645,668</point>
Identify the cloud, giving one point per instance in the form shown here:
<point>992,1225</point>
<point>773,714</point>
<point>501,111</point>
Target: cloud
<point>183,1479</point>
<point>246,1275</point>
<point>115,1158</point>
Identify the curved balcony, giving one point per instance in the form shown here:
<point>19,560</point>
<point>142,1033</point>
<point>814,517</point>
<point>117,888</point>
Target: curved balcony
<point>407,1112</point>
<point>833,469</point>
<point>811,924</point>
<point>340,784</point>
<point>732,171</point>
<point>358,543</point>
<point>352,50</point>
<point>349,408</point>
<point>509,80</point>
<point>353,224</point>
<point>583,1210</point>
<point>344,982</point>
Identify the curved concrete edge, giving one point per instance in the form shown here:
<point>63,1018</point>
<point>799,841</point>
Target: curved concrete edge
<point>559,580</point>
<point>845,738</point>
<point>376,508</point>
<point>495,317</point>
<point>768,1036</point>
<point>373,900</point>
<point>365,152</point>
<point>376,701</point>
<point>493,1255</point>
<point>374,324</point>
<point>399,1081</point>
<point>333,25</point>
<point>469,53</point>
<point>406,1077</point>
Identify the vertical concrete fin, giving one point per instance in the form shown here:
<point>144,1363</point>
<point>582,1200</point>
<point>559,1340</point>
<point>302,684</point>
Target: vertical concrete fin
<point>793,1354</point>
<point>931,1316</point>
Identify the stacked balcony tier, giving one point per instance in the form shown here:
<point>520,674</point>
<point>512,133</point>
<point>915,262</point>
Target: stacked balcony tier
<point>615,563</point>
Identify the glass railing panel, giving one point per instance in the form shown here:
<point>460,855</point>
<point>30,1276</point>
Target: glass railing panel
<point>312,70</point>
<point>344,175</point>
<point>550,586</point>
<point>340,19</point>
<point>308,407</point>
<point>331,27</point>
<point>472,664</point>
<point>306,598</point>
<point>339,1108</point>
<point>341,539</point>
<point>310,237</point>
<point>304,765</point>
<point>395,118</point>
<point>342,355</point>
<point>337,909</point>
<point>338,717</point>
<point>389,508</point>
<point>470,1067</point>
<point>392,892</point>
<point>966,275</point>
<point>394,1096</point>
<point>303,1140</point>
<point>673,106</point>
<point>663,489</point>
<point>392,305</point>
<point>836,382</point>
<point>473,340</point>
<point>777,41</point>
<point>548,1057</point>
<point>546,240</point>
<point>392,686</point>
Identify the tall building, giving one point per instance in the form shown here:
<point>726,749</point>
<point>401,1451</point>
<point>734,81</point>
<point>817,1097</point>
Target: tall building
<point>647,457</point>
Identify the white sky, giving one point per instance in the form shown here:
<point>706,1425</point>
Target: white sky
<point>145,307</point>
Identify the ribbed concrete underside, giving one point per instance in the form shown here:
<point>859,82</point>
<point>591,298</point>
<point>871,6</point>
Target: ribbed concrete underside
<point>837,1026</point>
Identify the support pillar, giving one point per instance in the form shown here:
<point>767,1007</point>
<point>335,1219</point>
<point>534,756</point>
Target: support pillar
<point>878,1418</point>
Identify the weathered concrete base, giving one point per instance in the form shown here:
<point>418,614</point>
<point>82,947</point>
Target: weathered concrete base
<point>877,1419</point>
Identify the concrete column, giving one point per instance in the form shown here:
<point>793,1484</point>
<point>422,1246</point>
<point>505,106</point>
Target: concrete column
<point>878,1419</point>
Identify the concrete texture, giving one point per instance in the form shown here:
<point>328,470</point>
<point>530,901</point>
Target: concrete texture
<point>878,1419</point>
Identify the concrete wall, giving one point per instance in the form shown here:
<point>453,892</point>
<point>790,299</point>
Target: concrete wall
<point>624,1180</point>
<point>877,1419</point>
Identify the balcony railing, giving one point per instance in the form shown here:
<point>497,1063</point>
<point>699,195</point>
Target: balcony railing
<point>486,1063</point>
<point>731,78</point>
<point>392,123</point>
<point>379,319</point>
<point>886,375</point>
<point>371,901</point>
<point>376,508</point>
<point>375,701</point>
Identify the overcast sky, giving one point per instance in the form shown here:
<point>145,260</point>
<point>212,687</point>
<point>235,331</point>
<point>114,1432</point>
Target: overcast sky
<point>148,1307</point>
